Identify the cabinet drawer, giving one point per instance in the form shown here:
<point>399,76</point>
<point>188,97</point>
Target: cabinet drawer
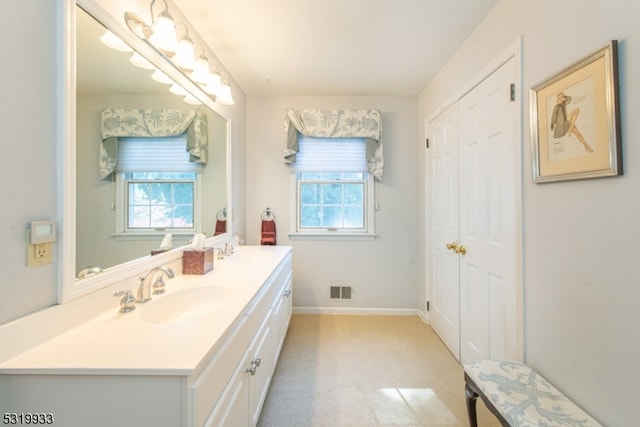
<point>283,272</point>
<point>268,296</point>
<point>260,306</point>
<point>207,387</point>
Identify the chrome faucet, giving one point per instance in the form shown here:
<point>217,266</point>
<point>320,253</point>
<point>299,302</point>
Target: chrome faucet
<point>144,290</point>
<point>229,247</point>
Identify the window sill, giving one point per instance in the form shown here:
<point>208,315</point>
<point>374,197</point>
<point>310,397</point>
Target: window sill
<point>331,236</point>
<point>153,235</point>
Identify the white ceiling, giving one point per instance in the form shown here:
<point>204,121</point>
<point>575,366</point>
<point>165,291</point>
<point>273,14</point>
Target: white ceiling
<point>334,47</point>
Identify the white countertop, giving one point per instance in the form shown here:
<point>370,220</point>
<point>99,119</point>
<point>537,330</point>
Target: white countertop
<point>114,343</point>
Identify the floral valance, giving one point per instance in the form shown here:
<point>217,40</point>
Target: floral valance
<point>132,122</point>
<point>336,124</point>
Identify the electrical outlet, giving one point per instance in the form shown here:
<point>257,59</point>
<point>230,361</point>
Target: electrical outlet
<point>39,254</point>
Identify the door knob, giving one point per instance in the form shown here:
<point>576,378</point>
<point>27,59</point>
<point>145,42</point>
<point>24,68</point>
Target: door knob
<point>459,249</point>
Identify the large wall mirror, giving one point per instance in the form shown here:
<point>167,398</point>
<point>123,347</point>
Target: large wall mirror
<point>105,78</point>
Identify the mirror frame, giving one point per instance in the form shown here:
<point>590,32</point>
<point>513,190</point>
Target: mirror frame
<point>69,287</point>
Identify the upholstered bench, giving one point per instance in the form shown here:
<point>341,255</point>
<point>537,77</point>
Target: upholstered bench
<point>519,397</point>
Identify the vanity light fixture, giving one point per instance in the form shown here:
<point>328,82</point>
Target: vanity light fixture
<point>176,89</point>
<point>212,87</point>
<point>224,95</point>
<point>185,57</point>
<point>163,31</point>
<point>190,99</point>
<point>200,72</point>
<point>141,62</point>
<point>162,35</point>
<point>137,26</point>
<point>161,77</point>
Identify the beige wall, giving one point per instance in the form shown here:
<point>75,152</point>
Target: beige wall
<point>579,254</point>
<point>382,272</point>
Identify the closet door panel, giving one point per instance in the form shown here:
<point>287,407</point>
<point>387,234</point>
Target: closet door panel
<point>473,173</point>
<point>487,230</point>
<point>445,263</point>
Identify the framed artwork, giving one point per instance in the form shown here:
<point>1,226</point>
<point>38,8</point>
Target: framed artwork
<point>575,120</point>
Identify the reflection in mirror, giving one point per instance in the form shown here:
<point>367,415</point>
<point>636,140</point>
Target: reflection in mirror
<point>105,79</point>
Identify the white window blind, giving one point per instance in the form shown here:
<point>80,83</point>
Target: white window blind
<point>167,154</point>
<point>331,155</point>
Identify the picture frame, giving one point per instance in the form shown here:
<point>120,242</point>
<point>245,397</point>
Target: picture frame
<point>575,120</point>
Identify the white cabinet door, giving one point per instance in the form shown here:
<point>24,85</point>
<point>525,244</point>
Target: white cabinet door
<point>233,407</point>
<point>261,367</point>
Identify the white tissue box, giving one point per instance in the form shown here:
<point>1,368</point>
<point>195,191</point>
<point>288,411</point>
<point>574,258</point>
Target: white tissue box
<point>197,262</point>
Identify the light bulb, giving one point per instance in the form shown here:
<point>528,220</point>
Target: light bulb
<point>224,95</point>
<point>141,62</point>
<point>161,77</point>
<point>176,89</point>
<point>200,72</point>
<point>114,42</point>
<point>185,56</point>
<point>190,99</point>
<point>213,84</point>
<point>164,33</point>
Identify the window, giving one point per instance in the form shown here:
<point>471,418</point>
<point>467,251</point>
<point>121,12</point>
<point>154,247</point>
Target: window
<point>160,200</point>
<point>157,187</point>
<point>333,190</point>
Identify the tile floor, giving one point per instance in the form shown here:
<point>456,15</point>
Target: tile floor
<point>365,371</point>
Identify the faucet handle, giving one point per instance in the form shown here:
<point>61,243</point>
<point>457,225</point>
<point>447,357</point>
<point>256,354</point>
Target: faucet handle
<point>235,240</point>
<point>128,301</point>
<point>159,285</point>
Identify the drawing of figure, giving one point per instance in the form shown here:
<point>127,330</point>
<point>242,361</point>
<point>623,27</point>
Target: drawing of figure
<point>563,124</point>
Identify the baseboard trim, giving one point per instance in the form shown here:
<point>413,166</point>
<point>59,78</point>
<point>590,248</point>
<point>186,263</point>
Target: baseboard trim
<point>424,316</point>
<point>356,310</point>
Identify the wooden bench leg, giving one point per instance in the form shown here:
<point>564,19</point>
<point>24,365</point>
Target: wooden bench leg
<point>471,393</point>
<point>471,398</point>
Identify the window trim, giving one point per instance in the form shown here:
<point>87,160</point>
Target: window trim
<point>123,233</point>
<point>370,207</point>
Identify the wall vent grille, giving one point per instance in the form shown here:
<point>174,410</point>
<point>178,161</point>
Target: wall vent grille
<point>340,293</point>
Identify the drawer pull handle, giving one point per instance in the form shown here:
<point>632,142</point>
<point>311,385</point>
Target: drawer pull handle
<point>254,365</point>
<point>287,293</point>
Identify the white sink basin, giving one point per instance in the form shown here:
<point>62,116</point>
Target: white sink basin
<point>186,304</point>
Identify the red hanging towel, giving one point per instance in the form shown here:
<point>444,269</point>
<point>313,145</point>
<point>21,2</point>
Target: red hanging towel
<point>268,234</point>
<point>221,227</point>
<point>221,222</point>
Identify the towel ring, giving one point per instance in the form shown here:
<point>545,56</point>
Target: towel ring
<point>222,214</point>
<point>268,215</point>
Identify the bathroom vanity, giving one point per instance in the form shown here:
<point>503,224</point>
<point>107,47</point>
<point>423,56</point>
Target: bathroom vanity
<point>202,354</point>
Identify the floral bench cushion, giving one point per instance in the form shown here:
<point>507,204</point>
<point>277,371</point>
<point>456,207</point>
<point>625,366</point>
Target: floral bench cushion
<point>523,397</point>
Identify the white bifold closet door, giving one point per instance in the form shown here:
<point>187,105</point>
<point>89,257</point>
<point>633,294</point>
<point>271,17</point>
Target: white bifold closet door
<point>473,221</point>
